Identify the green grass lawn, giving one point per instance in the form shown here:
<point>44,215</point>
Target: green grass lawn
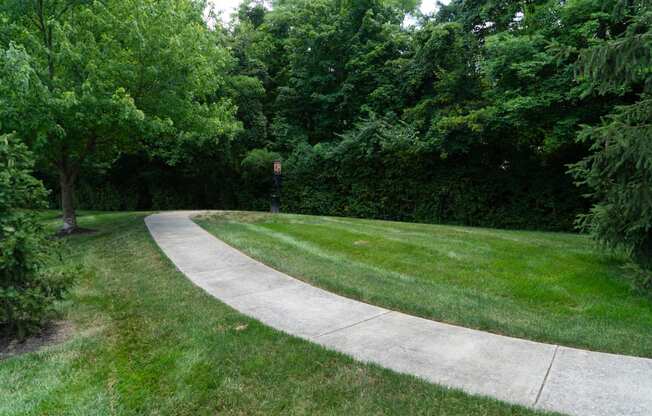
<point>550,287</point>
<point>148,342</point>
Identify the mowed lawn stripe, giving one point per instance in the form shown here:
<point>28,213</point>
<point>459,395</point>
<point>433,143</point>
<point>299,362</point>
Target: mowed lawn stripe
<point>149,342</point>
<point>551,287</point>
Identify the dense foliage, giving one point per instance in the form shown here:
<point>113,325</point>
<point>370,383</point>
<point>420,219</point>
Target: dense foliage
<point>88,81</point>
<point>619,168</point>
<point>27,290</point>
<point>471,115</point>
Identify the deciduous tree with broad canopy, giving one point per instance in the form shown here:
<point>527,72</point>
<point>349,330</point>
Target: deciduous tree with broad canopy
<point>85,81</point>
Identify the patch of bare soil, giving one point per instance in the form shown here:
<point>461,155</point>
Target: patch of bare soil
<point>54,333</point>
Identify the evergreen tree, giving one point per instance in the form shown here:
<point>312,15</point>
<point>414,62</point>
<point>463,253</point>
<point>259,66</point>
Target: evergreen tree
<point>619,169</point>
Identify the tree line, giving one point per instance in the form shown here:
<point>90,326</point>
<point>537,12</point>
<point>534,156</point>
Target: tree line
<point>513,113</point>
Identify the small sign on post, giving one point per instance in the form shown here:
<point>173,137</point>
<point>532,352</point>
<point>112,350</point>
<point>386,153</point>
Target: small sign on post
<point>276,190</point>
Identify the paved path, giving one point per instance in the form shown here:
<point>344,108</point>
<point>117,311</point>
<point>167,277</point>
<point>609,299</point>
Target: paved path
<point>533,374</point>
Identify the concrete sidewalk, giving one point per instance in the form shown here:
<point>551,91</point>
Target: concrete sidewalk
<point>541,376</point>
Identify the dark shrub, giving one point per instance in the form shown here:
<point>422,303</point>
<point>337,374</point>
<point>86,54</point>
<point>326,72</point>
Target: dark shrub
<point>27,290</point>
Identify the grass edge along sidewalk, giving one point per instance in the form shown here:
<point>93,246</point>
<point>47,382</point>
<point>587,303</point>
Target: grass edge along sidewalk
<point>149,342</point>
<point>549,287</point>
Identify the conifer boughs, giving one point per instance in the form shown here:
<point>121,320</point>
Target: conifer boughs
<point>619,169</point>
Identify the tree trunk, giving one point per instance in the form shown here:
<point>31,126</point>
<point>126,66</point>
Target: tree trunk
<point>67,183</point>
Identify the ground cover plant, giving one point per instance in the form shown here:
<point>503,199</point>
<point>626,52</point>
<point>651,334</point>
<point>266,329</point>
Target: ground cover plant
<point>149,342</point>
<point>551,287</point>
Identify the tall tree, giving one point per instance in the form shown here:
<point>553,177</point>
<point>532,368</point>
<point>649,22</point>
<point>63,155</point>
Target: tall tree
<point>95,78</point>
<point>619,169</point>
<point>64,102</point>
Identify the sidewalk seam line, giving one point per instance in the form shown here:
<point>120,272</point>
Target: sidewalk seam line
<point>351,325</point>
<point>545,378</point>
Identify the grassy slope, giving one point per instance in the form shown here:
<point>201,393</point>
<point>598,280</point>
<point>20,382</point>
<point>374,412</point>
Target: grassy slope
<point>149,342</point>
<point>543,286</point>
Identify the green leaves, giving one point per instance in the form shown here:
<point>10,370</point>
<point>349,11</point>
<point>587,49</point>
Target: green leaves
<point>616,65</point>
<point>619,169</point>
<point>84,82</point>
<point>18,189</point>
<point>27,292</point>
<point>619,174</point>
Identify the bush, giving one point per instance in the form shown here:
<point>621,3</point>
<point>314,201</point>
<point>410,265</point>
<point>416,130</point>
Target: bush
<point>105,197</point>
<point>257,177</point>
<point>27,290</point>
<point>373,173</point>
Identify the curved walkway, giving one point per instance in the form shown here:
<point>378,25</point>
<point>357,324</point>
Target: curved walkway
<point>541,376</point>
